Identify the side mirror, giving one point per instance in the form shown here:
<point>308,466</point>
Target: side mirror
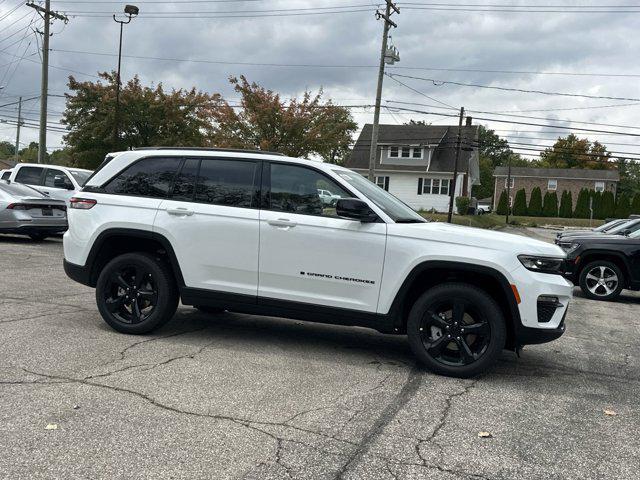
<point>61,182</point>
<point>626,232</point>
<point>355,209</point>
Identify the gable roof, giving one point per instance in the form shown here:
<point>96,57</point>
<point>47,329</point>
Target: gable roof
<point>571,173</point>
<point>441,138</point>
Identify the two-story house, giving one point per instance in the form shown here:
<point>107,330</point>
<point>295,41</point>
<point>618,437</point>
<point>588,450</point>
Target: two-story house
<point>416,162</point>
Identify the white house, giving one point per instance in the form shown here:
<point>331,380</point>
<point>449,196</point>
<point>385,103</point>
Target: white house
<point>416,162</point>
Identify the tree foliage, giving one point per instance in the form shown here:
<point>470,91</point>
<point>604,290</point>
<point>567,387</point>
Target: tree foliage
<point>7,150</point>
<point>574,152</point>
<point>596,203</point>
<point>520,203</point>
<point>503,204</point>
<point>535,203</point>
<point>297,127</point>
<point>582,204</point>
<point>608,207</point>
<point>550,206</point>
<point>623,206</point>
<point>635,204</point>
<point>629,171</point>
<point>566,205</point>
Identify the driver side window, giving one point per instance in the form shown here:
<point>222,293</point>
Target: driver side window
<point>301,190</point>
<point>57,179</point>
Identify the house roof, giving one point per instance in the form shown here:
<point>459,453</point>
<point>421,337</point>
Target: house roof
<point>5,163</point>
<point>571,173</point>
<point>441,138</point>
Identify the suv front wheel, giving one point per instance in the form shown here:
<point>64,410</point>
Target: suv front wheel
<point>136,293</point>
<point>456,329</point>
<point>601,280</point>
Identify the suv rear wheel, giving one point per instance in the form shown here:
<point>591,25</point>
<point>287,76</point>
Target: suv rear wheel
<point>602,280</point>
<point>136,293</point>
<point>456,329</point>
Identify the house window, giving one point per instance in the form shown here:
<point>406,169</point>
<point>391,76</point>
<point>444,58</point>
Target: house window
<point>552,185</point>
<point>416,152</point>
<point>406,152</point>
<point>599,187</point>
<point>393,152</point>
<point>383,182</point>
<point>512,183</point>
<point>435,186</point>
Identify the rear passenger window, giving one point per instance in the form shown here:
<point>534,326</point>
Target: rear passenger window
<point>29,175</point>
<point>6,175</point>
<point>185,183</point>
<point>226,182</point>
<point>150,177</point>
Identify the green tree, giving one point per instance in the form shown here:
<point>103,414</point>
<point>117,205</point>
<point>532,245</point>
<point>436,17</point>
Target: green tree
<point>149,116</point>
<point>535,203</point>
<point>566,205</point>
<point>608,207</point>
<point>623,206</point>
<point>574,152</point>
<point>520,203</point>
<point>582,204</point>
<point>550,206</point>
<point>629,171</point>
<point>635,205</point>
<point>296,127</point>
<point>493,152</point>
<point>503,204</point>
<point>7,150</point>
<point>596,202</point>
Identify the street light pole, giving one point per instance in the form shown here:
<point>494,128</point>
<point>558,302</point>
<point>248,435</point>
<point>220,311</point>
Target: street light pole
<point>131,11</point>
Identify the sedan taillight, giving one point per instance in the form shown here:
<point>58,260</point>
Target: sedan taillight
<point>82,203</point>
<point>17,206</point>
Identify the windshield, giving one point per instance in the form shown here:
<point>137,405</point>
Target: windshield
<point>631,225</point>
<point>609,225</point>
<point>394,208</point>
<point>80,176</point>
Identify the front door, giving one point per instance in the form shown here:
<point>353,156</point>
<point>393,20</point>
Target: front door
<point>307,253</point>
<point>211,219</point>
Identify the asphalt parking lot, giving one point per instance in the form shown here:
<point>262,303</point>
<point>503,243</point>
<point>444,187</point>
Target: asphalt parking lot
<point>235,396</point>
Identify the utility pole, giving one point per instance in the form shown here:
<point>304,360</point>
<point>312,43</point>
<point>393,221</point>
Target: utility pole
<point>508,188</point>
<point>47,15</point>
<point>452,193</point>
<point>383,53</point>
<point>18,128</point>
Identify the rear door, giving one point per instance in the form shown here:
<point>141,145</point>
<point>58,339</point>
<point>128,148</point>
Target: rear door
<point>211,219</point>
<point>57,184</point>
<point>307,253</point>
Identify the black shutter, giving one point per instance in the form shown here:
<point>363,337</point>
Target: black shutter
<point>420,186</point>
<point>386,183</point>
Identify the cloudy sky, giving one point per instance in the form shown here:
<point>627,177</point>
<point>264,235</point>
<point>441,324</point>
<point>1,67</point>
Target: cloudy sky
<point>584,48</point>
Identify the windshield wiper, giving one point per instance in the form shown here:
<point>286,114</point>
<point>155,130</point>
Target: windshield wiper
<point>410,220</point>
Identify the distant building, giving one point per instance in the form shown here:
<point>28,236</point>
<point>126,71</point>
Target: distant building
<point>415,162</point>
<point>554,180</point>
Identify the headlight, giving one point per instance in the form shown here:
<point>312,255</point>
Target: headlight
<point>568,247</point>
<point>542,264</point>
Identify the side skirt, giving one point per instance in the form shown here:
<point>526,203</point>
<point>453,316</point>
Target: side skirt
<point>271,307</point>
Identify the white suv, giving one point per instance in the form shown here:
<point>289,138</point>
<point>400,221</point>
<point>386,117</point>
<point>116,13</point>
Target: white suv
<point>55,181</point>
<point>247,232</point>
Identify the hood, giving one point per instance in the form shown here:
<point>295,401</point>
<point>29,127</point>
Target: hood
<point>476,237</point>
<point>590,240</point>
<point>573,233</point>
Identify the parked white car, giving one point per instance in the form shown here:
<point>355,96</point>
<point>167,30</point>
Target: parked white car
<point>327,197</point>
<point>483,208</point>
<point>55,181</point>
<point>247,232</point>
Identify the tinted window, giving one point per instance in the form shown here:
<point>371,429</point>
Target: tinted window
<point>296,189</point>
<point>6,175</point>
<point>226,182</point>
<point>150,177</point>
<point>50,179</point>
<point>30,175</point>
<point>80,176</point>
<point>185,183</point>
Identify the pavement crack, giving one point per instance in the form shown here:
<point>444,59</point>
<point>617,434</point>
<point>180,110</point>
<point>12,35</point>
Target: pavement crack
<point>407,392</point>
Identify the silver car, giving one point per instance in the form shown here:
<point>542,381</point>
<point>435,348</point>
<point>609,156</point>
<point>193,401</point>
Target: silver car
<point>26,211</point>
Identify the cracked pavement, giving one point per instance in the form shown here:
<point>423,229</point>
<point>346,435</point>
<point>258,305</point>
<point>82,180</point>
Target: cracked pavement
<point>236,396</point>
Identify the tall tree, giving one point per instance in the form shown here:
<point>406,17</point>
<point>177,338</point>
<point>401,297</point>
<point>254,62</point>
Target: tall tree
<point>574,152</point>
<point>608,206</point>
<point>535,203</point>
<point>520,203</point>
<point>7,150</point>
<point>550,206</point>
<point>623,207</point>
<point>635,204</point>
<point>296,127</point>
<point>566,205</point>
<point>582,204</point>
<point>149,116</point>
<point>629,171</point>
<point>503,204</point>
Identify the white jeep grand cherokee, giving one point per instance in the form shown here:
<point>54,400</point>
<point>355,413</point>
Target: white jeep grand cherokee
<point>247,232</point>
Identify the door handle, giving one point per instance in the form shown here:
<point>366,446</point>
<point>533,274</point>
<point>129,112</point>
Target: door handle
<point>179,211</point>
<point>282,222</point>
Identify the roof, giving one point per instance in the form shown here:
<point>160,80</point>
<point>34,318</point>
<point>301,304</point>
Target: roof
<point>5,163</point>
<point>441,138</point>
<point>572,173</point>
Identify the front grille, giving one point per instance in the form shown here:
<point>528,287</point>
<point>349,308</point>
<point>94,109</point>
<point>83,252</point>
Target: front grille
<point>547,306</point>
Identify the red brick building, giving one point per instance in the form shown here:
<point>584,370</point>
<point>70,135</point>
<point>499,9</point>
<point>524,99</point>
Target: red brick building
<point>554,180</point>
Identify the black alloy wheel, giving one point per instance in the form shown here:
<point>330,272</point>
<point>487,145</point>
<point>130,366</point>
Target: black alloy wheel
<point>136,293</point>
<point>456,329</point>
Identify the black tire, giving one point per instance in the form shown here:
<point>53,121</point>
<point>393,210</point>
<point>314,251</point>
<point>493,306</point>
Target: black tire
<point>37,237</point>
<point>210,310</point>
<point>443,343</point>
<point>613,280</point>
<point>136,293</point>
